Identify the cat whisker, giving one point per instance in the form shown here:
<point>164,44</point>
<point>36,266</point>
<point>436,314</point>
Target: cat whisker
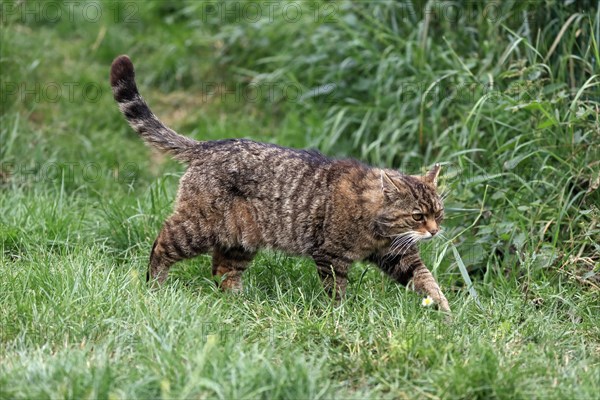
<point>405,246</point>
<point>398,238</point>
<point>397,242</point>
<point>399,235</point>
<point>399,247</point>
<point>408,245</point>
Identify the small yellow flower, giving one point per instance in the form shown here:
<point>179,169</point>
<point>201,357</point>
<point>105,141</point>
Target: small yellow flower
<point>427,301</point>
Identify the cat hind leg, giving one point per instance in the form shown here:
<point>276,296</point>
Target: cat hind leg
<point>334,275</point>
<point>179,239</point>
<point>229,264</point>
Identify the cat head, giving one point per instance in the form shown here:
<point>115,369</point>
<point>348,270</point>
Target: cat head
<point>412,210</point>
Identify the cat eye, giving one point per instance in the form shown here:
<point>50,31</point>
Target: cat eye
<point>417,217</point>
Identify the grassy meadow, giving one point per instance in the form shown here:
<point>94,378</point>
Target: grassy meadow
<point>506,95</point>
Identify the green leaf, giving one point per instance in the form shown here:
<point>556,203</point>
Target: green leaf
<point>465,275</point>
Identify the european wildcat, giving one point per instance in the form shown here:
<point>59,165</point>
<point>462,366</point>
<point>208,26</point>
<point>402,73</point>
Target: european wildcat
<point>238,196</point>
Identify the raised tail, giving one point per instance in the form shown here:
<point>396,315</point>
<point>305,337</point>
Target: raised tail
<point>139,116</point>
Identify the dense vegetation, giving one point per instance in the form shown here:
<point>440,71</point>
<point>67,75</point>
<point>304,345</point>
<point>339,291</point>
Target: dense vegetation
<point>505,94</point>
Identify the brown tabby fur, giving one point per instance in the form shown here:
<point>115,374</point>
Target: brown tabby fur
<point>238,196</point>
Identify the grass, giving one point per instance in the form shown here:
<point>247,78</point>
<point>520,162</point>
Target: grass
<point>509,104</point>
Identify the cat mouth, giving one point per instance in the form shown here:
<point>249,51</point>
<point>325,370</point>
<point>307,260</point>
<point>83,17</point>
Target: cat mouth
<point>425,236</point>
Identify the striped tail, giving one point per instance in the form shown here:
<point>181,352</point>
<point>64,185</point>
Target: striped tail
<point>139,116</point>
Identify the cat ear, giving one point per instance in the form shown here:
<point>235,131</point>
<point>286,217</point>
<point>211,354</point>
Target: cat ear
<point>431,177</point>
<point>387,184</point>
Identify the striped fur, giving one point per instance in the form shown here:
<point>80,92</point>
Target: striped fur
<point>139,116</point>
<point>239,196</point>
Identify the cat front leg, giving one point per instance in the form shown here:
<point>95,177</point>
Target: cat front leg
<point>408,266</point>
<point>424,282</point>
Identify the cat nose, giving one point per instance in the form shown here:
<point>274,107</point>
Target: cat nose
<point>434,231</point>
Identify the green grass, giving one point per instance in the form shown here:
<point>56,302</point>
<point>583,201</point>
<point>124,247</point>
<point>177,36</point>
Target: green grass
<point>509,107</point>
